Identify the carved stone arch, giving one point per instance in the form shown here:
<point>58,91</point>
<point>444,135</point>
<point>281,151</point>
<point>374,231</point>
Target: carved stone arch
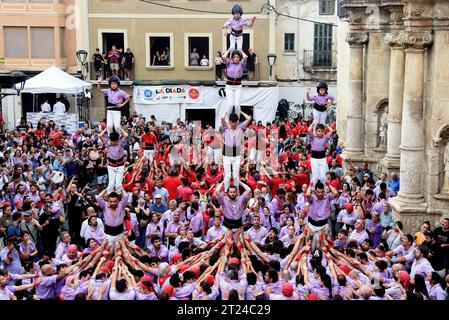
<point>381,112</point>
<point>441,135</point>
<point>380,106</point>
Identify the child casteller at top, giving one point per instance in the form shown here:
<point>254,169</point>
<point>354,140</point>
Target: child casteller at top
<point>323,100</point>
<point>236,23</point>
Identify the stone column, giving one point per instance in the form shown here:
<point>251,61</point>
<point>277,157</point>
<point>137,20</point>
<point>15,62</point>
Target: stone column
<point>354,119</point>
<point>395,101</point>
<point>410,197</point>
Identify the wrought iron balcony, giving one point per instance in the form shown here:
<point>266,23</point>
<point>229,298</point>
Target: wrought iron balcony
<point>320,60</point>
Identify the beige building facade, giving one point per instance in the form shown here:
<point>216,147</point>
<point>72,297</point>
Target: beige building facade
<point>395,114</point>
<point>306,46</point>
<point>146,28</point>
<point>35,35</point>
<point>149,29</point>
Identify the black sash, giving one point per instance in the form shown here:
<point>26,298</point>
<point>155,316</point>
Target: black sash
<point>113,231</point>
<point>116,163</point>
<point>317,223</point>
<point>113,107</point>
<point>236,33</point>
<point>232,224</point>
<point>229,151</point>
<point>319,108</point>
<point>234,81</point>
<point>148,146</point>
<point>318,154</point>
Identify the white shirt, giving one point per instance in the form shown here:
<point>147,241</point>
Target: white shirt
<point>59,108</point>
<point>45,107</point>
<point>85,225</point>
<point>204,62</point>
<point>359,236</point>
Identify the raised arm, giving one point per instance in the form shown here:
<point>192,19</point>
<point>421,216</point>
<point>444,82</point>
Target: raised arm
<point>310,129</point>
<point>227,53</point>
<point>219,189</point>
<point>331,132</point>
<point>253,20</point>
<point>246,187</point>
<point>99,85</point>
<point>102,194</point>
<point>308,192</point>
<point>115,273</point>
<point>247,118</point>
<point>101,135</point>
<point>334,191</point>
<point>124,134</point>
<point>223,120</point>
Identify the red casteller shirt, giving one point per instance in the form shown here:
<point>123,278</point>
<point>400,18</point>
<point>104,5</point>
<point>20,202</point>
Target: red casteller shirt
<point>171,184</point>
<point>300,179</point>
<point>184,192</point>
<point>213,179</point>
<point>149,139</point>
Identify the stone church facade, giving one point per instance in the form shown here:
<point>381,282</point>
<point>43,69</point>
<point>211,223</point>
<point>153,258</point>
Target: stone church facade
<point>393,108</point>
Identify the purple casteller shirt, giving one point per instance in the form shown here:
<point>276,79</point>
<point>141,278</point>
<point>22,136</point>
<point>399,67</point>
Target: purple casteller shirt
<point>116,152</point>
<point>320,209</point>
<point>233,138</point>
<point>233,210</point>
<point>115,96</point>
<point>319,144</point>
<point>235,70</point>
<point>321,100</point>
<point>69,293</point>
<point>214,232</point>
<point>46,288</point>
<point>162,252</point>
<point>173,227</point>
<point>196,223</point>
<point>109,219</point>
<point>236,25</point>
<point>129,294</point>
<point>141,296</point>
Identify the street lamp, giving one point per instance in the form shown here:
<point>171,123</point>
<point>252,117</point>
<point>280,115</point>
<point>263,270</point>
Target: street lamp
<point>18,79</point>
<point>82,58</point>
<point>271,62</point>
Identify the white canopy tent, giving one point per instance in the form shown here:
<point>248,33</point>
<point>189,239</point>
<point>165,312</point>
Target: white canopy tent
<point>54,80</point>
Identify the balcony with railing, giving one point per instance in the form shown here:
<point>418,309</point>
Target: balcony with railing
<point>316,61</point>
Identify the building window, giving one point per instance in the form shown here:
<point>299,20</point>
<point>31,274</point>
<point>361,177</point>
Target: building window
<point>248,41</point>
<point>341,12</point>
<point>42,42</point>
<point>16,42</point>
<point>327,7</point>
<point>289,42</point>
<point>198,49</point>
<point>322,47</point>
<point>159,50</point>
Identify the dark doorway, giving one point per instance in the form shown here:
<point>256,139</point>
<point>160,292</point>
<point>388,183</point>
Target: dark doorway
<point>111,39</point>
<point>249,110</point>
<point>206,116</point>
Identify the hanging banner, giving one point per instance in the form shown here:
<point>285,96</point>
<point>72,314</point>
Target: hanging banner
<point>168,94</point>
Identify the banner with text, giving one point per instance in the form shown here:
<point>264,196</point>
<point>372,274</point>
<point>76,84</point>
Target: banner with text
<point>168,94</point>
